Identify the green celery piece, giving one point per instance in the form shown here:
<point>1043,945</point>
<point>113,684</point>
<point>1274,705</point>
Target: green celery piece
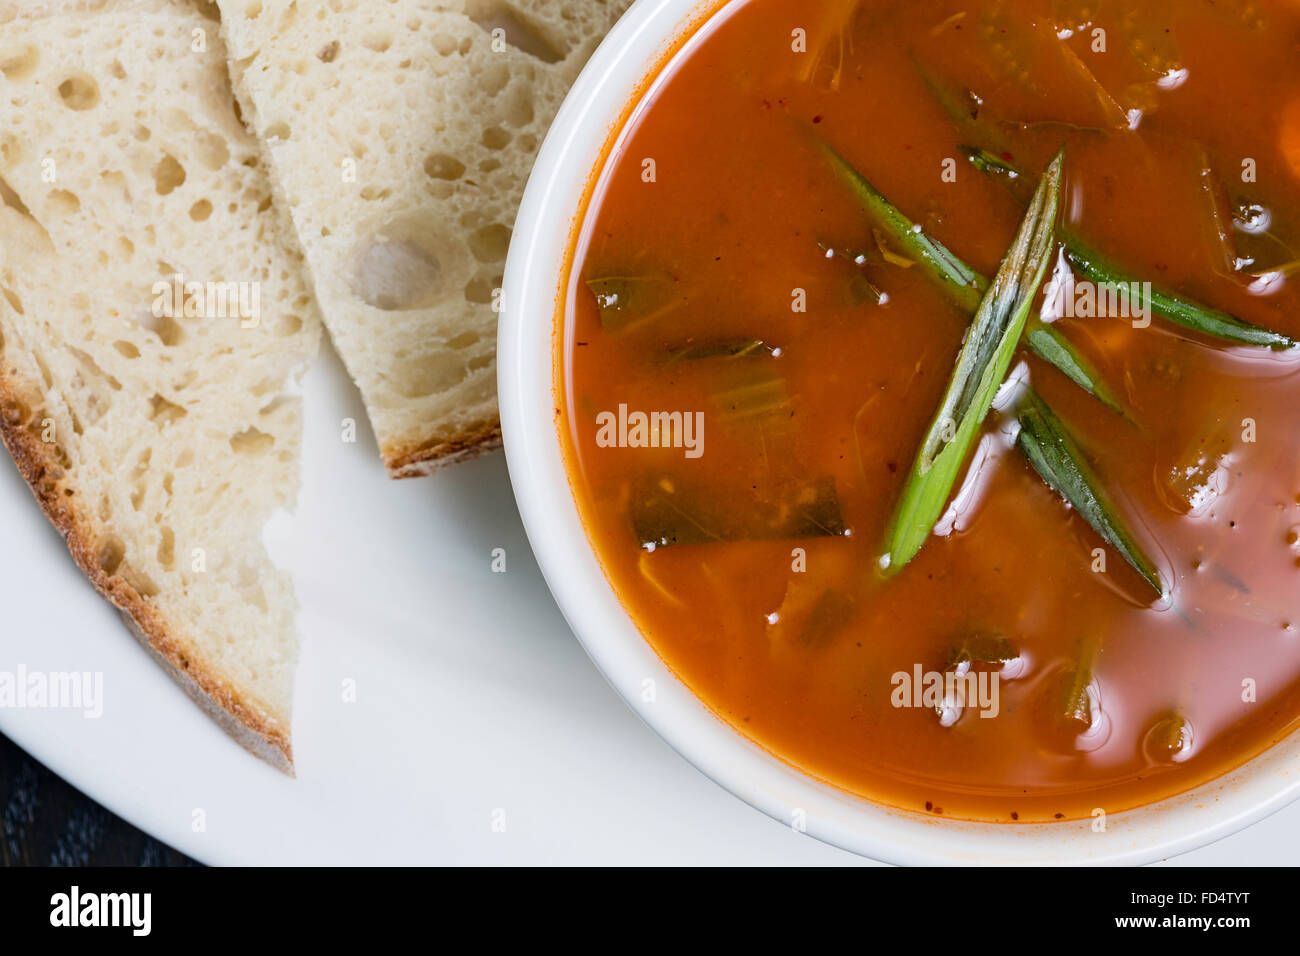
<point>1184,312</point>
<point>1045,342</point>
<point>729,348</point>
<point>663,518</point>
<point>981,367</point>
<point>760,396</point>
<point>962,283</point>
<point>1059,462</point>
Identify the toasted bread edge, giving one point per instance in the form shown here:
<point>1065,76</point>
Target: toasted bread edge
<point>424,458</point>
<point>249,724</point>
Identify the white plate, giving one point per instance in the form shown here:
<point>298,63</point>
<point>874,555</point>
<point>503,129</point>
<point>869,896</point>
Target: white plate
<point>472,697</point>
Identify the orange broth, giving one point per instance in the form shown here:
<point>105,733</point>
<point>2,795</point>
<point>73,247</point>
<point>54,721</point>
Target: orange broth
<point>716,240</point>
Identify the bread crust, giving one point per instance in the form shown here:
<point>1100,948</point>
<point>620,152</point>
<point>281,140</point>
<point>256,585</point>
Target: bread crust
<point>244,719</point>
<point>417,461</point>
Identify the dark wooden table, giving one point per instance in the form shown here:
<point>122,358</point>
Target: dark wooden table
<point>48,823</point>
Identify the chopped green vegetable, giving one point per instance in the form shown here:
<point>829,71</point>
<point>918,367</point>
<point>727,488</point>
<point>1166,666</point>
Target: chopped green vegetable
<point>963,106</point>
<point>627,301</point>
<point>756,398</point>
<point>984,648</point>
<point>833,610</point>
<point>1182,311</point>
<point>1077,699</point>
<point>811,614</point>
<point>981,367</point>
<point>1057,459</point>
<point>999,170</point>
<point>960,281</point>
<point>989,164</point>
<point>730,348</point>
<point>664,515</point>
<point>1051,346</point>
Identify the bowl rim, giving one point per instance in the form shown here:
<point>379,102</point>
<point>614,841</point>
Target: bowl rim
<point>597,108</point>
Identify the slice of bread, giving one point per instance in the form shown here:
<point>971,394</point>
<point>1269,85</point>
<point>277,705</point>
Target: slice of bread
<point>401,135</point>
<point>158,431</point>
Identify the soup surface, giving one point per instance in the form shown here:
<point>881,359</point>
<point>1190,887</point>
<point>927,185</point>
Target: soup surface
<point>752,359</point>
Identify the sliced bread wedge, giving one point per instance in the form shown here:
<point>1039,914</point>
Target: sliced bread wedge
<point>401,135</point>
<point>153,321</point>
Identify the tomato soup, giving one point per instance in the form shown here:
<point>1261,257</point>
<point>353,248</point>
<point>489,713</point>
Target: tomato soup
<point>808,232</point>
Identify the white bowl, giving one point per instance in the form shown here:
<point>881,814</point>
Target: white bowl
<point>593,114</point>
